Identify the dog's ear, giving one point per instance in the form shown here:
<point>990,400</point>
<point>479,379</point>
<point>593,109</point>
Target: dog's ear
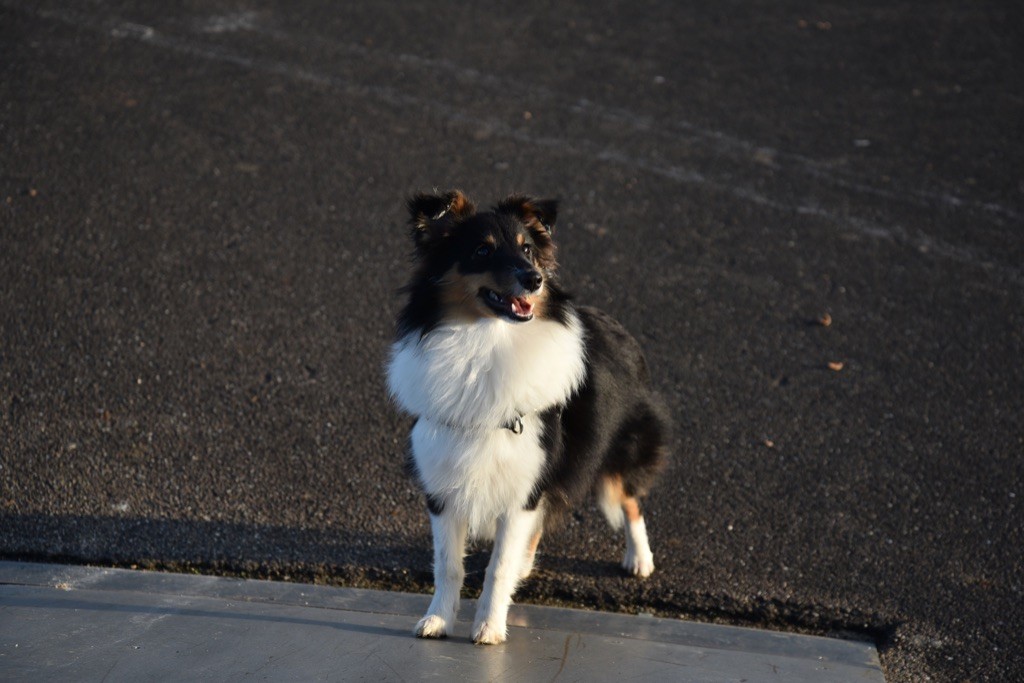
<point>535,213</point>
<point>546,212</point>
<point>432,216</point>
<point>538,215</point>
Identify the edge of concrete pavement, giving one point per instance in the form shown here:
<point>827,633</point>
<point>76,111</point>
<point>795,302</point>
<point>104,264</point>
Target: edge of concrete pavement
<point>121,623</point>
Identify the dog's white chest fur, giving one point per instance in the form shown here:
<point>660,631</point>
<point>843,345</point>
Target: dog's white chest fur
<point>464,381</point>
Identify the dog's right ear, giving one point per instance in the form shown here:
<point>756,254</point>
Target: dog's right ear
<point>433,216</point>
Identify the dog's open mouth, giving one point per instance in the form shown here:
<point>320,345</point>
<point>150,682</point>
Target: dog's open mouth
<point>516,308</point>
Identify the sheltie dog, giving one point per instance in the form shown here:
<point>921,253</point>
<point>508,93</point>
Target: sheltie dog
<point>524,402</point>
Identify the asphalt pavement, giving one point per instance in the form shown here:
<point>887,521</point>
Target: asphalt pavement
<point>810,216</point>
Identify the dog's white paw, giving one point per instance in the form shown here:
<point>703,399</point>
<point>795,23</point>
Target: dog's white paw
<point>638,564</point>
<point>431,626</point>
<point>486,634</point>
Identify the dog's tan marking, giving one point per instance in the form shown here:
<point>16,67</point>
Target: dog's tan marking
<point>460,205</point>
<point>632,508</point>
<point>460,298</point>
<point>538,301</point>
<point>531,554</point>
<point>616,493</point>
<point>535,541</point>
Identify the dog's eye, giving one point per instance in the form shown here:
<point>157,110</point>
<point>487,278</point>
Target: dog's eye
<point>527,249</point>
<point>484,250</point>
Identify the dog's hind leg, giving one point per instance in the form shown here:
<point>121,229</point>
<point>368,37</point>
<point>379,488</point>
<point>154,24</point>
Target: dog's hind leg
<point>503,571</point>
<point>619,506</point>
<point>638,560</point>
<point>449,533</point>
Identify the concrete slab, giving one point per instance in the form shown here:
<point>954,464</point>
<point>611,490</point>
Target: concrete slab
<point>59,622</point>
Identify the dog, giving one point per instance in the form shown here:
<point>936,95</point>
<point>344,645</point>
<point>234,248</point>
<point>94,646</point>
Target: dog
<point>524,403</point>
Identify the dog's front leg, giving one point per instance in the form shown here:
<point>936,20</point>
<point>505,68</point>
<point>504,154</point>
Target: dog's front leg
<point>449,547</point>
<point>510,547</point>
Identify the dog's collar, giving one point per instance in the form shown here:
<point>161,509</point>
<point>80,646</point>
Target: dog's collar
<point>515,425</point>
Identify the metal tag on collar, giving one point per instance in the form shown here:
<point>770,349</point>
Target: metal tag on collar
<point>516,425</point>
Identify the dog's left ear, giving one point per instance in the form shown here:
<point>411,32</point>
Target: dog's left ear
<point>534,212</point>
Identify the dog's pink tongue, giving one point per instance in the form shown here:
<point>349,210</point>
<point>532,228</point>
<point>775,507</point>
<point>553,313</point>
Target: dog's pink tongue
<point>521,306</point>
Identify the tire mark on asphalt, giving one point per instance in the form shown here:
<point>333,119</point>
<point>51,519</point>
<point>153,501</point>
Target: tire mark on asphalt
<point>122,29</point>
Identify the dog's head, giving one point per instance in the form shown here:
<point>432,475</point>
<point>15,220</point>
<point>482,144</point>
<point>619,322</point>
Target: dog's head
<point>496,263</point>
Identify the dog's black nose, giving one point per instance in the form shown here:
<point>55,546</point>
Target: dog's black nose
<point>530,279</point>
